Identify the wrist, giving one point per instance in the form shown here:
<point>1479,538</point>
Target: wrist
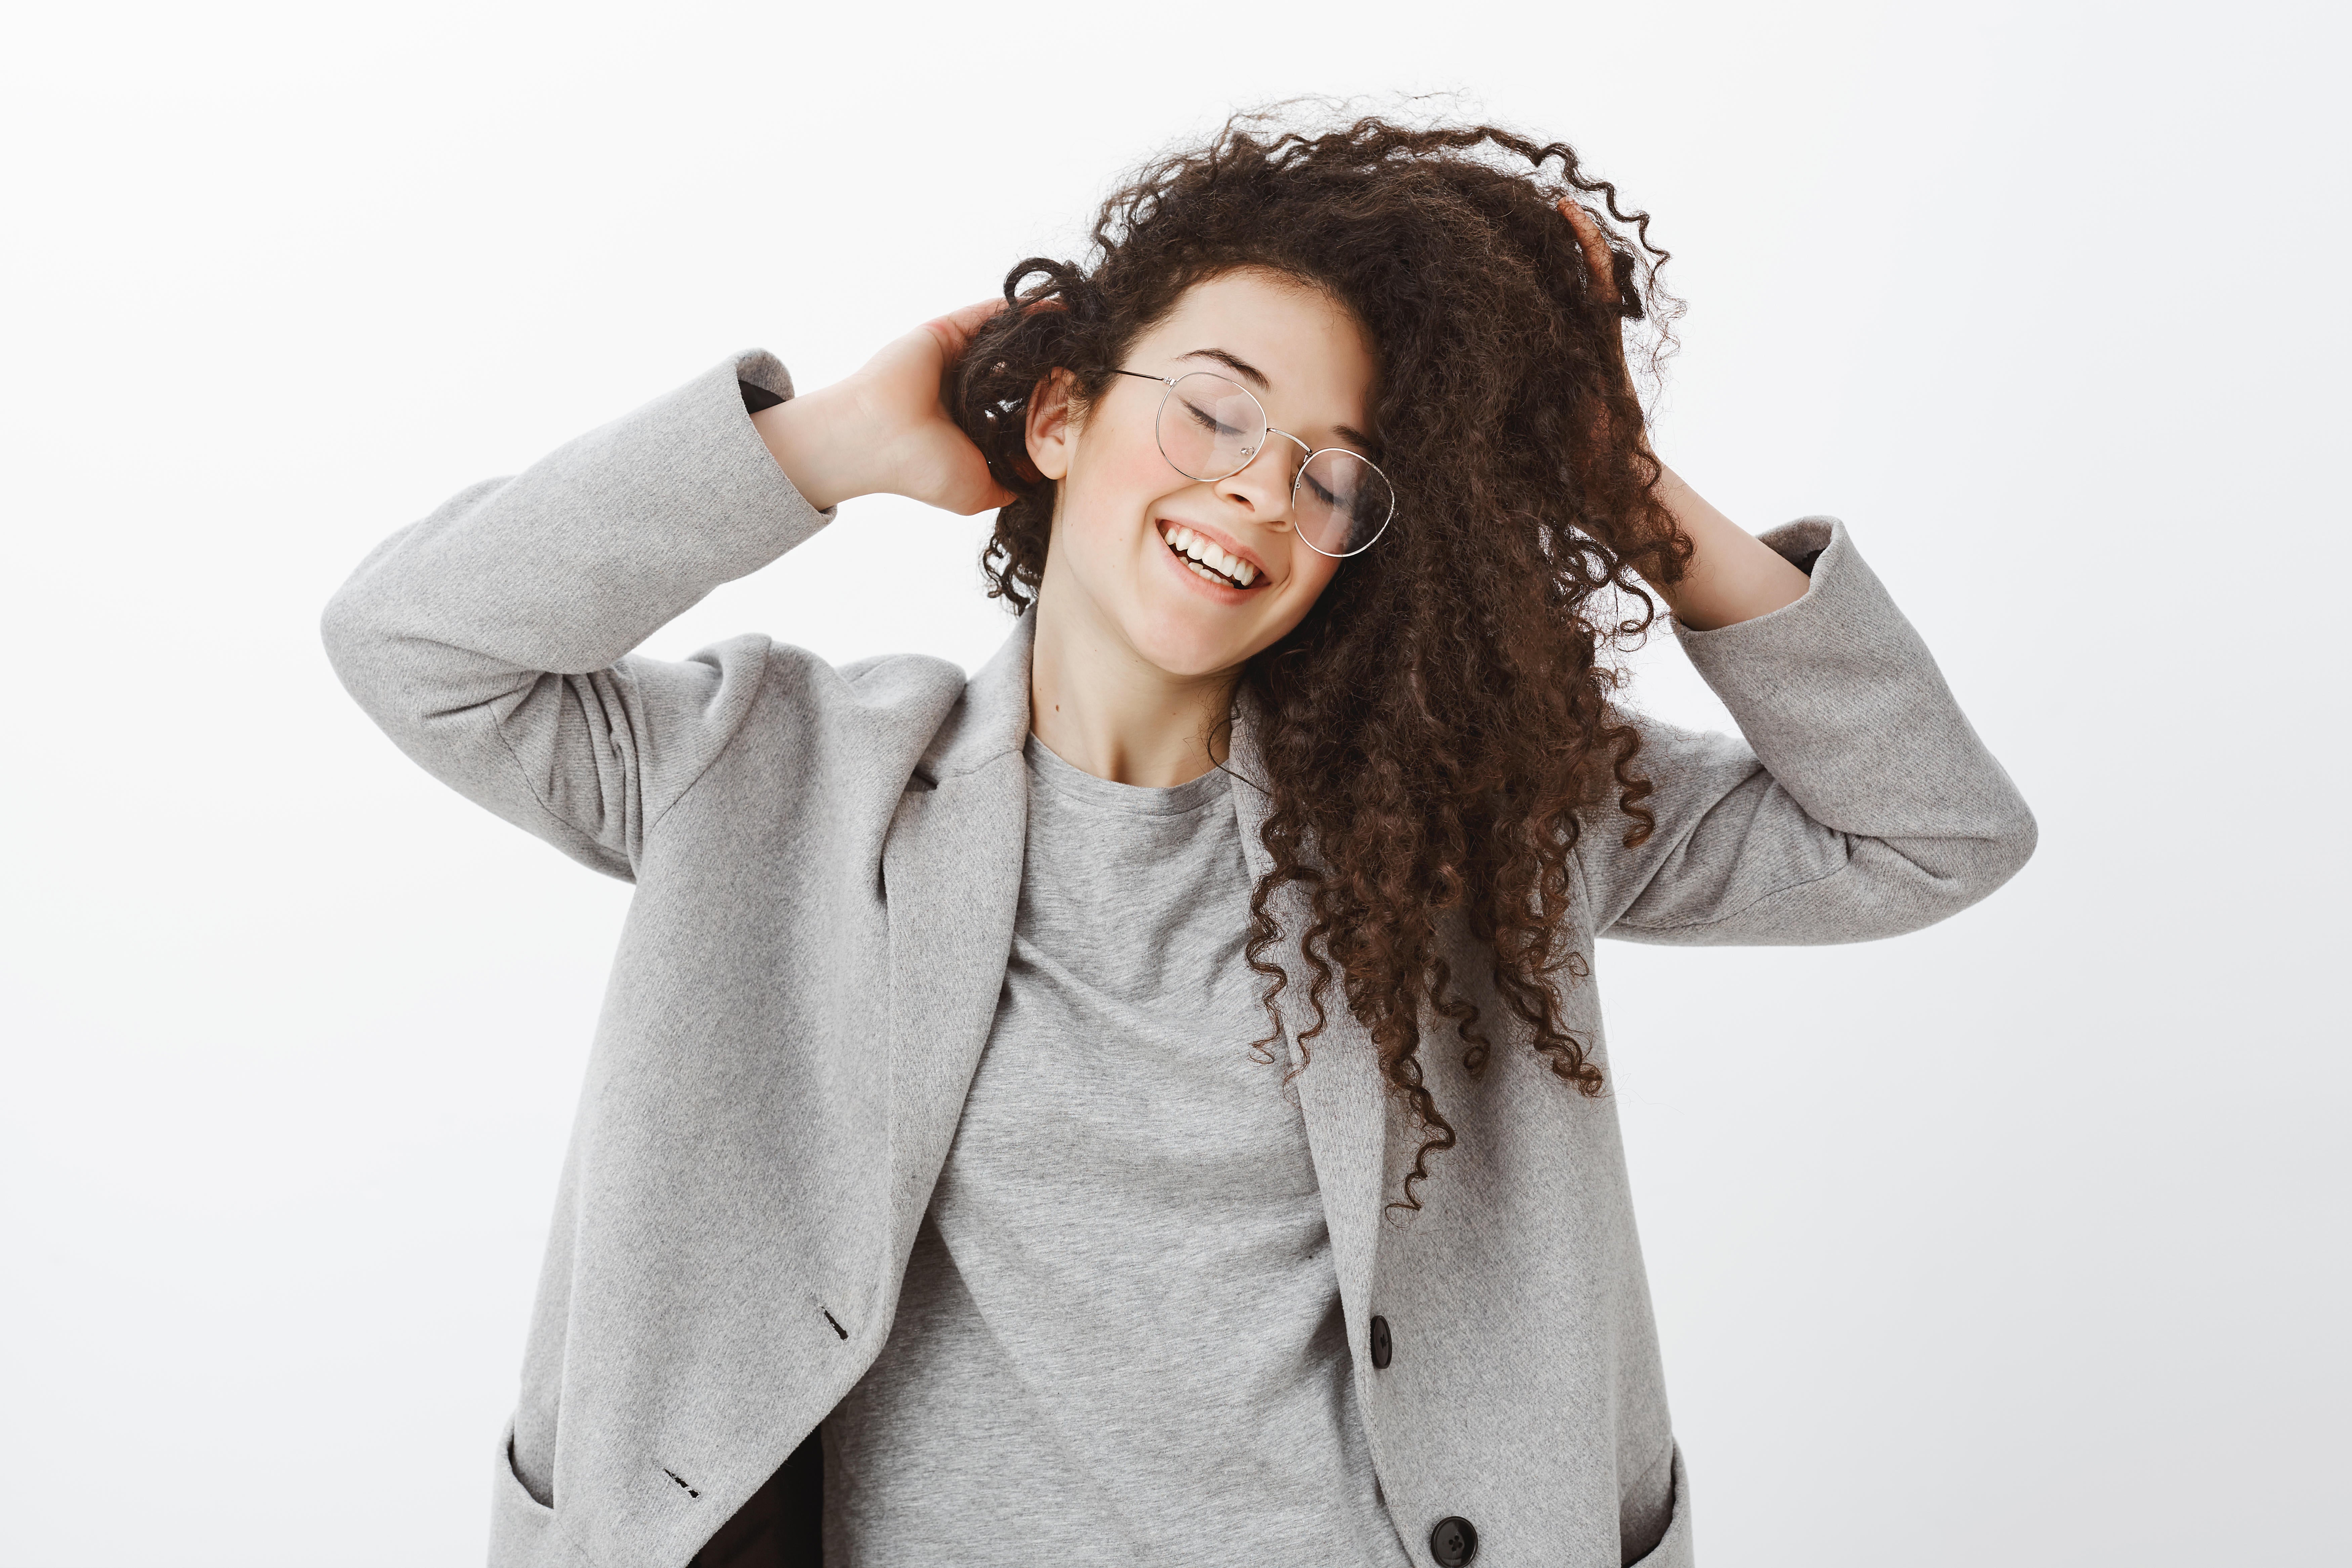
<point>802,434</point>
<point>1733,575</point>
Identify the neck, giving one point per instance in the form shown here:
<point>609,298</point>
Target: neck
<point>1099,705</point>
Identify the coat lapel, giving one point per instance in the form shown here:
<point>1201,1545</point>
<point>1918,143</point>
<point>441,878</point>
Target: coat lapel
<point>1340,1093</point>
<point>951,880</point>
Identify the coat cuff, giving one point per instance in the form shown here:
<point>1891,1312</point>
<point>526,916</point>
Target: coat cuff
<point>1839,586</point>
<point>1819,683</point>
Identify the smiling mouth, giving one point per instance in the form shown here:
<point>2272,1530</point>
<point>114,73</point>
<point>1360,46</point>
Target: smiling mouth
<point>1206,559</point>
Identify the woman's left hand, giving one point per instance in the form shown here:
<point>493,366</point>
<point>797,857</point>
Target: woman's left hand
<point>1601,262</point>
<point>1734,577</point>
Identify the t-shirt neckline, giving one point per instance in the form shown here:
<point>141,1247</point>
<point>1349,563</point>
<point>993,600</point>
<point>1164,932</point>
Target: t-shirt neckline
<point>1074,783</point>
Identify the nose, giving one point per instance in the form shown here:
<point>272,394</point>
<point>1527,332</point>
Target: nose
<point>1266,484</point>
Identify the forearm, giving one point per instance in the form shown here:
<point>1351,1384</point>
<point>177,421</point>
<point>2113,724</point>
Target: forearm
<point>570,563</point>
<point>1858,803</point>
<point>1733,576</point>
<point>488,641</point>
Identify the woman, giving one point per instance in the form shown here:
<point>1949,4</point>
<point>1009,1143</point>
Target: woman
<point>1143,1103</point>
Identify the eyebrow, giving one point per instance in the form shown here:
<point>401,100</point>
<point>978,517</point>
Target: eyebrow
<point>1236,363</point>
<point>1251,372</point>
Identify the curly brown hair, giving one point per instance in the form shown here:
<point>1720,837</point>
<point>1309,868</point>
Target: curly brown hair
<point>1436,730</point>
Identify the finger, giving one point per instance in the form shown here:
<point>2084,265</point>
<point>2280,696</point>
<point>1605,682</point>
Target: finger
<point>1595,245</point>
<point>955,329</point>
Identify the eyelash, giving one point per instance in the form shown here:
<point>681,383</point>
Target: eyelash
<point>1215,426</point>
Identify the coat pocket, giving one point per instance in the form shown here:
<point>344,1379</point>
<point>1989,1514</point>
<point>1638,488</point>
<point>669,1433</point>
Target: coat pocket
<point>1674,1548</point>
<point>522,1529</point>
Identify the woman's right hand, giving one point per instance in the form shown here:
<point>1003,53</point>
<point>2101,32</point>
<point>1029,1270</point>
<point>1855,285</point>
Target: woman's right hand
<point>886,429</point>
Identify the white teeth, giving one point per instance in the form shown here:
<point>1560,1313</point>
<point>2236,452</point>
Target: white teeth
<point>1211,563</point>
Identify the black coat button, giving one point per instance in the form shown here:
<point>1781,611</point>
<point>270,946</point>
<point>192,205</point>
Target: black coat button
<point>1454,1543</point>
<point>1381,1346</point>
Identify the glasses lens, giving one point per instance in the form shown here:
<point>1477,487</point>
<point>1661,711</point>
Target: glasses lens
<point>1210,427</point>
<point>1342,502</point>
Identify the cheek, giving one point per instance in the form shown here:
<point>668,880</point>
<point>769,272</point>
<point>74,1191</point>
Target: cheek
<point>1309,574</point>
<point>1115,483</point>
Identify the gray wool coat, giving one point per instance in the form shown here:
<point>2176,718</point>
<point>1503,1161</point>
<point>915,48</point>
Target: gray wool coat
<point>826,864</point>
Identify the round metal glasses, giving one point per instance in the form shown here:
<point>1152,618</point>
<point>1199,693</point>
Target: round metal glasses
<point>1210,428</point>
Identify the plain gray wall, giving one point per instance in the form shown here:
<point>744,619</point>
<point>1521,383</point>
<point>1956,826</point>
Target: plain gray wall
<point>2017,1241</point>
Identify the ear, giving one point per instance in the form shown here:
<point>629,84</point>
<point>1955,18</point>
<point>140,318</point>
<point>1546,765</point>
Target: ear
<point>1052,428</point>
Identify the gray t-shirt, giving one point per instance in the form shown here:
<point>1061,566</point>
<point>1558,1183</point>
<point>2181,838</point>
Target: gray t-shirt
<point>1119,1338</point>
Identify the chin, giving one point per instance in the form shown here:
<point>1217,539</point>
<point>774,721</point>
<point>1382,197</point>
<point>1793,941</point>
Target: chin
<point>1186,651</point>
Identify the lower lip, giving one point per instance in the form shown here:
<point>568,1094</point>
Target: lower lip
<point>1219,591</point>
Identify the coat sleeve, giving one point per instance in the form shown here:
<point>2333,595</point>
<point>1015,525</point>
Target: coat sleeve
<point>491,641</point>
<point>1858,803</point>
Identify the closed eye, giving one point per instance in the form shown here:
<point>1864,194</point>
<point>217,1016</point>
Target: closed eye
<point>1208,421</point>
<point>1315,488</point>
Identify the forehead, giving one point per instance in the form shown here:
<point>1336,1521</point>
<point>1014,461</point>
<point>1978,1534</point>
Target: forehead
<point>1314,353</point>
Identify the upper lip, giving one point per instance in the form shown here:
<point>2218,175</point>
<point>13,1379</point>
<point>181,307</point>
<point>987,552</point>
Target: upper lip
<point>1218,537</point>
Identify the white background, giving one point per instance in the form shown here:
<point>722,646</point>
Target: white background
<point>2022,1240</point>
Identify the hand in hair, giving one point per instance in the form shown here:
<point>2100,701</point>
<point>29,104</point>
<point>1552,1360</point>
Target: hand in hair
<point>1601,265</point>
<point>1732,575</point>
<point>884,429</point>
